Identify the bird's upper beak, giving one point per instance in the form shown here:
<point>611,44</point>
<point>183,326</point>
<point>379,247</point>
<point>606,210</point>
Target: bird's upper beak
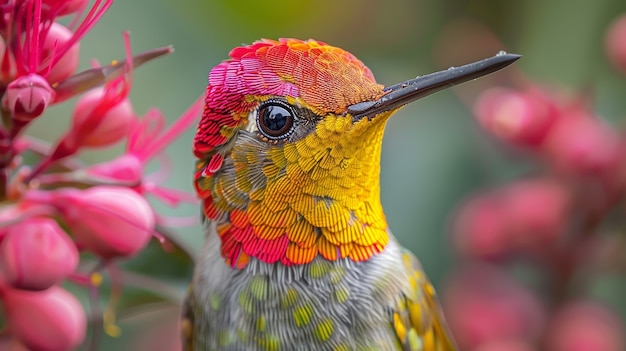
<point>403,93</point>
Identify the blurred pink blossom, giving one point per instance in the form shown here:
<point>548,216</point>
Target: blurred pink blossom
<point>36,254</point>
<point>585,326</point>
<point>101,117</point>
<point>102,207</point>
<point>519,117</point>
<point>525,216</point>
<point>58,35</point>
<point>585,146</point>
<point>47,320</point>
<point>109,221</point>
<point>484,304</point>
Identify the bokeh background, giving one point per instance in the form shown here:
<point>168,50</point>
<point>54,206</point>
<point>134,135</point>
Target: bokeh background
<point>434,153</point>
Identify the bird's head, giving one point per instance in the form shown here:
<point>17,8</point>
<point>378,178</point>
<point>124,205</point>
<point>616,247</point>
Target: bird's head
<point>288,150</point>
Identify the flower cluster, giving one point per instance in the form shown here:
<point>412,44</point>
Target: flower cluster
<point>52,208</point>
<point>562,225</point>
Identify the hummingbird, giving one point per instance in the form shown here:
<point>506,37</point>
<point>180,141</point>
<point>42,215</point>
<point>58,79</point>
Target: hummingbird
<point>298,254</point>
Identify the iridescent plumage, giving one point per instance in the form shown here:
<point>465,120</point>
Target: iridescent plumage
<point>298,254</point>
<point>267,197</point>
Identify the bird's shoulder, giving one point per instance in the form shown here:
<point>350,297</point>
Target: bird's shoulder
<point>416,314</point>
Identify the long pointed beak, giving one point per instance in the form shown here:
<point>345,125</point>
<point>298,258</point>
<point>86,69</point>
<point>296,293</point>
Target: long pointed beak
<point>403,93</point>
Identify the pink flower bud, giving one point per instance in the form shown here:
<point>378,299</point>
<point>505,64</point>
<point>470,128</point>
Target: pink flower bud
<point>484,304</point>
<point>97,122</point>
<point>584,326</point>
<point>528,216</point>
<point>37,254</point>
<point>615,44</point>
<point>480,228</point>
<point>27,97</point>
<point>48,320</point>
<point>536,212</point>
<point>58,35</point>
<point>107,220</point>
<point>522,118</point>
<point>584,146</point>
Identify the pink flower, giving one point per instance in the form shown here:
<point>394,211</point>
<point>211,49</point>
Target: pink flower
<point>147,138</point>
<point>520,117</point>
<point>526,216</point>
<point>58,35</point>
<point>106,220</point>
<point>32,54</point>
<point>48,320</point>
<point>584,146</point>
<point>484,304</point>
<point>101,117</point>
<point>536,210</point>
<point>27,97</point>
<point>480,229</point>
<point>36,254</point>
<point>47,53</point>
<point>584,326</point>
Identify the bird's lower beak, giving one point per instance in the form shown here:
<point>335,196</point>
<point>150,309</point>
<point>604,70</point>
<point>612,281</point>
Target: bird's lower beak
<point>403,93</point>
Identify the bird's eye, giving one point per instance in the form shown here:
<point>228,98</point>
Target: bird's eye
<point>275,119</point>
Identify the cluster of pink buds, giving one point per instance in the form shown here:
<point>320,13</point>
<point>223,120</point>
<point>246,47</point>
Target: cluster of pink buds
<point>53,209</point>
<point>564,224</point>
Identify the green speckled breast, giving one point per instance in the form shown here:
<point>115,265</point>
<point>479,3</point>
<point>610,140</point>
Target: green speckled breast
<point>340,305</point>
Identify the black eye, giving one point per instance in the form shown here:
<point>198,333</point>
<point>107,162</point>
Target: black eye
<point>275,119</point>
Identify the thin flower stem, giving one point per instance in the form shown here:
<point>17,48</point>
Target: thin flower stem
<point>96,313</point>
<point>34,44</point>
<point>570,258</point>
<point>43,149</point>
<point>4,178</point>
<point>45,163</point>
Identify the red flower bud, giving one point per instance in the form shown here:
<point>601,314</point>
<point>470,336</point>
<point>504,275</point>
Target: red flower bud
<point>27,97</point>
<point>522,118</point>
<point>37,254</point>
<point>106,220</point>
<point>48,320</point>
<point>615,44</point>
<point>480,228</point>
<point>527,216</point>
<point>585,146</point>
<point>536,212</point>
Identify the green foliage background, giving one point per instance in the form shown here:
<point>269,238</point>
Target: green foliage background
<point>434,153</point>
